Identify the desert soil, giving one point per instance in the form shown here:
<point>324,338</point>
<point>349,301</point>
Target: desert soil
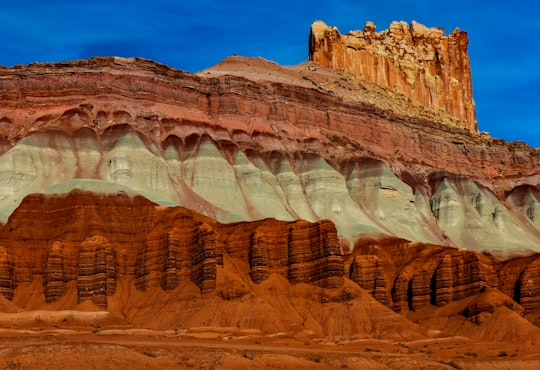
<point>227,348</point>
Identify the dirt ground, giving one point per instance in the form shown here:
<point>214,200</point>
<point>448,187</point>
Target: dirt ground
<point>227,348</point>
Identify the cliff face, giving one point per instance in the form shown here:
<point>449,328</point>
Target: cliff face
<point>410,277</point>
<point>96,240</point>
<point>116,250</point>
<point>428,67</point>
<point>277,143</point>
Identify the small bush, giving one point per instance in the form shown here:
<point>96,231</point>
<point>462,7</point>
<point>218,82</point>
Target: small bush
<point>314,359</point>
<point>249,355</point>
<point>149,353</point>
<point>502,354</point>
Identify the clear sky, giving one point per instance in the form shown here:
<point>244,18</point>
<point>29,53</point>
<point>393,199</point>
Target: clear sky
<point>191,35</point>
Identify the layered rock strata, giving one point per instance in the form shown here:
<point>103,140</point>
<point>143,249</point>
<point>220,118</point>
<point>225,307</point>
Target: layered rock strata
<point>428,67</point>
<point>287,143</point>
<point>408,276</point>
<point>95,240</point>
<point>165,248</point>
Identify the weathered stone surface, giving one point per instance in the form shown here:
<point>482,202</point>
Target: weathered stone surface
<point>369,275</point>
<point>96,270</point>
<point>427,66</point>
<point>520,278</point>
<point>6,273</point>
<point>280,188</point>
<point>159,247</point>
<point>56,277</point>
<point>419,275</point>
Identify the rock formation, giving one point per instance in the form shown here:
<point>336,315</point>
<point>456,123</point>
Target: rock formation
<point>428,67</point>
<point>407,276</point>
<point>95,240</point>
<point>239,149</point>
<point>325,189</point>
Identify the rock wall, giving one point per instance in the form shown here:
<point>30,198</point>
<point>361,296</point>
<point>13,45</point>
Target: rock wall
<point>167,247</point>
<point>428,67</point>
<point>238,149</point>
<point>159,247</point>
<point>409,276</point>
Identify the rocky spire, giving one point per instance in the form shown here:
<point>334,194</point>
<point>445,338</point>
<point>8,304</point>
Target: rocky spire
<point>430,68</point>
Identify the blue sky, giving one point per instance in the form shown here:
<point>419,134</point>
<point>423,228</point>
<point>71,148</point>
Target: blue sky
<point>504,44</point>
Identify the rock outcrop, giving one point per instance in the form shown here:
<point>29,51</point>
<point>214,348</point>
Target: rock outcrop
<point>428,67</point>
<point>95,240</point>
<point>409,276</point>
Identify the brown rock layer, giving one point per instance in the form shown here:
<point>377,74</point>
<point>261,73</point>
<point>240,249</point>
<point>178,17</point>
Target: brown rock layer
<point>424,64</point>
<point>520,279</point>
<point>158,246</point>
<point>424,275</point>
<point>164,248</point>
<point>369,275</point>
<point>6,274</point>
<point>96,270</point>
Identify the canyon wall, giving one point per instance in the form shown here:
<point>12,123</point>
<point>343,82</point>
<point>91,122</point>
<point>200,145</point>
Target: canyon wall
<point>428,67</point>
<point>410,276</point>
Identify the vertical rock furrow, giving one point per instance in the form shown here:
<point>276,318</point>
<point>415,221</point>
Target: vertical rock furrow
<point>268,252</point>
<point>55,275</point>
<point>469,277</point>
<point>420,291</point>
<point>314,255</point>
<point>529,286</point>
<point>97,270</point>
<point>203,258</point>
<point>444,282</point>
<point>150,261</point>
<point>172,260</point>
<point>7,285</point>
<point>368,274</point>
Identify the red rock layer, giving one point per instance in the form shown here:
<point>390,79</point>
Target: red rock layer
<point>95,240</point>
<point>424,64</point>
<point>6,274</point>
<point>520,279</point>
<point>96,270</point>
<point>367,272</point>
<point>165,247</point>
<point>300,251</point>
<point>409,276</point>
<point>268,117</point>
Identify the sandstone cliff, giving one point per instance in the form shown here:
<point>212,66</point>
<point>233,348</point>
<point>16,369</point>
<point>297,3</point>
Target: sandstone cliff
<point>428,67</point>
